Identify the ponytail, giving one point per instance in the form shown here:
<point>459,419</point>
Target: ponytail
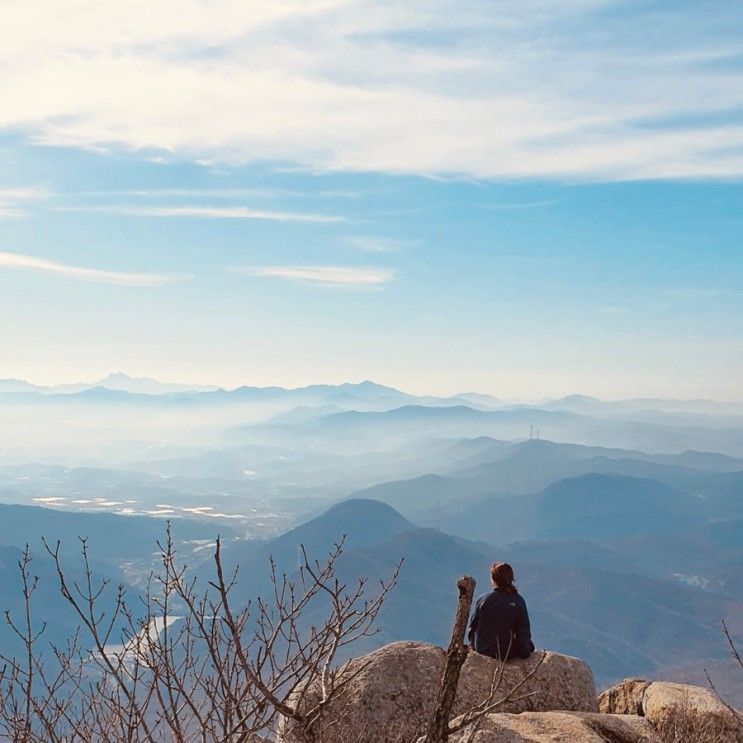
<point>501,574</point>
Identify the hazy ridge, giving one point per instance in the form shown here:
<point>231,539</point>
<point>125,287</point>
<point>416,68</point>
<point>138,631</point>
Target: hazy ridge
<point>623,519</point>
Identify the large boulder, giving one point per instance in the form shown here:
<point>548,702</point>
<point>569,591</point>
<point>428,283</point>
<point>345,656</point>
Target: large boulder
<point>391,695</point>
<point>556,727</point>
<point>561,682</point>
<point>674,709</point>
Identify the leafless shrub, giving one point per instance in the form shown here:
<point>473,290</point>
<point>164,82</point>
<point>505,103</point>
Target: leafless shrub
<point>738,659</point>
<point>183,664</point>
<point>684,725</point>
<point>190,667</point>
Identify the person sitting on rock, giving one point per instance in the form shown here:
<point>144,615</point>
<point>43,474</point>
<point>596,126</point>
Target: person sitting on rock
<point>500,625</point>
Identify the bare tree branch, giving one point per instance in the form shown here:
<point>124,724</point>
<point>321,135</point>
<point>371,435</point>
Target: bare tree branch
<point>183,665</point>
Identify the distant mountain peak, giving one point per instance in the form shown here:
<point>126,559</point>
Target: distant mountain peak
<point>119,377</point>
<point>369,384</point>
<point>538,444</point>
<point>358,506</point>
<point>19,385</point>
<point>362,520</point>
<point>123,382</point>
<point>113,376</point>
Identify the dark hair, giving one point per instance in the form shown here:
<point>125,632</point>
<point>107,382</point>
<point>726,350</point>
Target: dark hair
<point>502,576</point>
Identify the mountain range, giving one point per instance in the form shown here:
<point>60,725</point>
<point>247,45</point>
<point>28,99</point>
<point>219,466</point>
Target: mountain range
<point>114,381</point>
<point>368,390</point>
<point>599,593</point>
<point>623,519</point>
<point>591,599</point>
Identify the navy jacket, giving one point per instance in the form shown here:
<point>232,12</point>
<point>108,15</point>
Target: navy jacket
<point>501,618</point>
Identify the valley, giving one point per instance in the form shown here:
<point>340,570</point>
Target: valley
<point>624,521</point>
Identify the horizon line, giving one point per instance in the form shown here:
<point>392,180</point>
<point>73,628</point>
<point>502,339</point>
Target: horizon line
<point>214,387</point>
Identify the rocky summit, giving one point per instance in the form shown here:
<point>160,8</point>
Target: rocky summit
<point>389,696</point>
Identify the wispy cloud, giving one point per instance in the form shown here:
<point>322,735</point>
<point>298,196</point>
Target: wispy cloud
<point>575,89</point>
<point>521,205</point>
<point>22,193</point>
<point>205,212</point>
<point>329,275</point>
<point>373,244</point>
<point>20,262</point>
<point>224,193</point>
<point>13,199</point>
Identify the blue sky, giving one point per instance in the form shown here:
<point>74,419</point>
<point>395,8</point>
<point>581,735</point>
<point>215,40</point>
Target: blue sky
<point>527,202</point>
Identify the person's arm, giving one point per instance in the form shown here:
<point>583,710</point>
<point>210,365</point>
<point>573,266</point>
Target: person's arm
<point>523,645</point>
<point>473,623</point>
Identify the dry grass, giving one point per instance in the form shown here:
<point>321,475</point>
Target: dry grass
<point>684,726</point>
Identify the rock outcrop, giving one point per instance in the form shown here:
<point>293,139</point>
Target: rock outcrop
<point>560,683</point>
<point>557,727</point>
<point>667,706</point>
<point>392,693</point>
<point>625,698</point>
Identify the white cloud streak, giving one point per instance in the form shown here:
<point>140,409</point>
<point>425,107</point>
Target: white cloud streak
<point>22,193</point>
<point>205,212</point>
<point>222,193</point>
<point>582,89</point>
<point>20,262</point>
<point>328,275</point>
<point>372,244</point>
<point>13,199</point>
<point>520,205</point>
